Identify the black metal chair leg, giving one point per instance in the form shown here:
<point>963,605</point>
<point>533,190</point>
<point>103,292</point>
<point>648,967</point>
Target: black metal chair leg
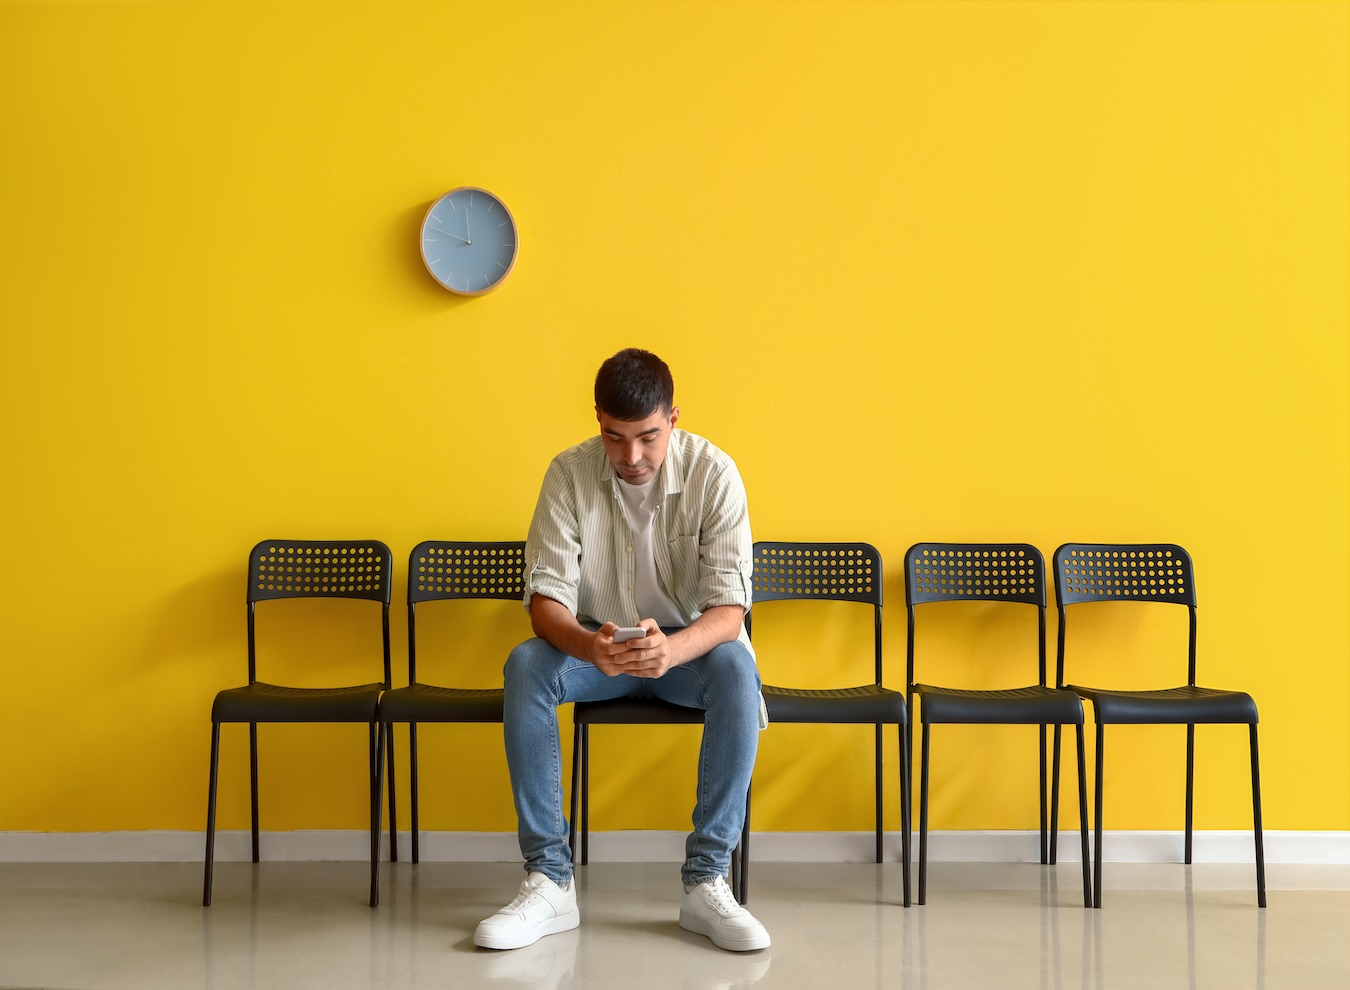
<point>904,809</point>
<point>585,795</point>
<point>1054,792</point>
<point>387,737</point>
<point>379,737</point>
<point>211,814</point>
<point>576,793</point>
<point>253,780</point>
<point>1256,823</point>
<point>1190,787</point>
<point>1097,825</point>
<point>734,874</point>
<point>743,875</point>
<point>1047,841</point>
<point>1083,817</point>
<point>923,819</point>
<point>412,795</point>
<point>880,808</point>
<point>387,732</point>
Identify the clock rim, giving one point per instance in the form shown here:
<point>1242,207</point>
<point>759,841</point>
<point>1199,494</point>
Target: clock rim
<point>421,240</point>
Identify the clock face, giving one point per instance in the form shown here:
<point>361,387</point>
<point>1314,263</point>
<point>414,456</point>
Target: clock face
<point>469,241</point>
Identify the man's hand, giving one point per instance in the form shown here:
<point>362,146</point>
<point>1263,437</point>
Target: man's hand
<point>649,656</point>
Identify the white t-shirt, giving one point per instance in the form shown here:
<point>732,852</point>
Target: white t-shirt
<point>640,504</point>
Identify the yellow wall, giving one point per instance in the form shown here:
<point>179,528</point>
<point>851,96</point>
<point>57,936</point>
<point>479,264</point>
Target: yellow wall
<point>952,271</point>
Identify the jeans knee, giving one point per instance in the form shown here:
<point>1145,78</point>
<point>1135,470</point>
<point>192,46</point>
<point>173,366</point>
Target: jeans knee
<point>529,665</point>
<point>732,673</point>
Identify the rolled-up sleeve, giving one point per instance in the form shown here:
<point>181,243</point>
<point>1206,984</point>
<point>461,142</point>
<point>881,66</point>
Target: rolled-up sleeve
<point>553,547</point>
<point>726,553</point>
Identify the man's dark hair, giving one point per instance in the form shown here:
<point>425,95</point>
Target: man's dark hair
<point>633,385</point>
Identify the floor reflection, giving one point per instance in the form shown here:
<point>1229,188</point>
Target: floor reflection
<point>307,925</point>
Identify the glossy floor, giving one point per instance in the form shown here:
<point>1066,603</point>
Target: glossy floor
<point>302,925</point>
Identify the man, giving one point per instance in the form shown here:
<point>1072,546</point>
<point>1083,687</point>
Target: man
<point>642,526</point>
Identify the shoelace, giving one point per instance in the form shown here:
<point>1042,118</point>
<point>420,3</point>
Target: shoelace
<point>528,892</point>
<point>722,901</point>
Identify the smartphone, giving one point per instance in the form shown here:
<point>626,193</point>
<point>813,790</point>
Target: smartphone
<point>624,633</point>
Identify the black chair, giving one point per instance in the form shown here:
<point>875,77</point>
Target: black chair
<point>282,569</point>
<point>446,571</point>
<point>1004,573</point>
<point>838,572</point>
<point>1150,572</point>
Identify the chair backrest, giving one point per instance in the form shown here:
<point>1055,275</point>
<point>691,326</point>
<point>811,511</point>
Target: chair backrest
<point>987,572</point>
<point>948,572</point>
<point>837,571</point>
<point>442,570</point>
<point>319,569</point>
<point>1102,572</point>
<point>846,572</point>
<point>1113,572</point>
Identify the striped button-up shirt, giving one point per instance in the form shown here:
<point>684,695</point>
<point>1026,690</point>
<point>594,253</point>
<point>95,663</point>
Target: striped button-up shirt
<point>580,548</point>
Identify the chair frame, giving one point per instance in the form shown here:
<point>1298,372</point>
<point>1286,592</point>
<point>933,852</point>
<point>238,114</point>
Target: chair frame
<point>1087,573</point>
<point>322,579</point>
<point>801,571</point>
<point>446,570</point>
<point>1005,573</point>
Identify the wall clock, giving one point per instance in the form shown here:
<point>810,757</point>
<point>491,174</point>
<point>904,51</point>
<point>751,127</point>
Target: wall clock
<point>469,241</point>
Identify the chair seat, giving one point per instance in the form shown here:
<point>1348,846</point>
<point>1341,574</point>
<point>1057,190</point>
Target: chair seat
<point>429,703</point>
<point>1010,706</point>
<point>260,702</point>
<point>1169,706</point>
<point>635,711</point>
<point>869,703</point>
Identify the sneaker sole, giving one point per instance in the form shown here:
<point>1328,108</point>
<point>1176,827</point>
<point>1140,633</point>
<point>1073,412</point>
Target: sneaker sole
<point>749,943</point>
<point>558,925</point>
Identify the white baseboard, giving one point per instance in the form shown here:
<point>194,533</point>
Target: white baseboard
<point>1281,847</point>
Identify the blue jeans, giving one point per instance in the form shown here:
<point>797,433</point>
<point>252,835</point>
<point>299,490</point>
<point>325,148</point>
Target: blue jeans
<point>724,683</point>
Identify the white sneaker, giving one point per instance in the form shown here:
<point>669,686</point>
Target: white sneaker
<point>710,909</point>
<point>541,908</point>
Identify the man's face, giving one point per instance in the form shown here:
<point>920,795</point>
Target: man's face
<point>637,449</point>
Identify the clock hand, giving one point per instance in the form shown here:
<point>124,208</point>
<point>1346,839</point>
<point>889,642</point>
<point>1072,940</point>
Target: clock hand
<point>442,230</point>
<point>468,237</point>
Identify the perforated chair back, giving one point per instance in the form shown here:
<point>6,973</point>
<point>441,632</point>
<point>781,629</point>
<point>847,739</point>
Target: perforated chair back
<point>1102,572</point>
<point>446,569</point>
<point>835,571</point>
<point>845,572</point>
<point>946,572</point>
<point>1114,572</point>
<point>320,569</point>
<point>280,569</point>
<point>996,572</point>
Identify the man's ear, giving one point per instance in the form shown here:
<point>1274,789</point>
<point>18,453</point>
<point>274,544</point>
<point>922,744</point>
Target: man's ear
<point>674,415</point>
